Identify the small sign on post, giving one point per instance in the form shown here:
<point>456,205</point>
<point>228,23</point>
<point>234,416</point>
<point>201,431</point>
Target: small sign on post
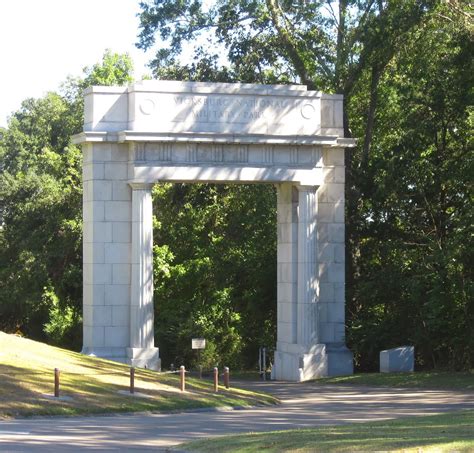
<point>198,343</point>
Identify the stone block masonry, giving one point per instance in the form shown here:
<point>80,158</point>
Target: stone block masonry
<point>155,131</point>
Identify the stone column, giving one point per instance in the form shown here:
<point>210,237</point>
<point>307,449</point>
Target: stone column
<point>142,351</point>
<point>307,267</point>
<point>307,346</point>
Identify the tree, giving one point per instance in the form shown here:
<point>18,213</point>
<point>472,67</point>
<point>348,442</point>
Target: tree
<point>414,282</point>
<point>215,267</point>
<point>406,181</point>
<point>41,189</point>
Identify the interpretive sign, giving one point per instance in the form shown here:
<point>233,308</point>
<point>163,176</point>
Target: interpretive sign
<point>198,343</point>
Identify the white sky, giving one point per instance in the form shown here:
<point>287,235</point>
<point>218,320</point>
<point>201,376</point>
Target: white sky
<point>44,41</point>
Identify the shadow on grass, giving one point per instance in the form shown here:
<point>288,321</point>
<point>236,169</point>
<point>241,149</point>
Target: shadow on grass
<point>445,432</point>
<point>94,388</point>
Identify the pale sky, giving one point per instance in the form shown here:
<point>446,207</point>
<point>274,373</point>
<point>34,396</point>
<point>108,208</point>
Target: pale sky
<point>44,41</point>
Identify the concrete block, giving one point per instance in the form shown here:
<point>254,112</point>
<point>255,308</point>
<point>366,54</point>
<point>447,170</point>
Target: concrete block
<point>339,292</point>
<point>122,232</point>
<point>326,212</point>
<point>121,274</point>
<point>336,273</point>
<point>93,211</point>
<point>323,272</point>
<point>286,273</point>
<point>326,292</point>
<point>102,315</point>
<point>339,253</point>
<point>87,315</point>
<point>93,294</point>
<point>335,192</point>
<point>329,174</point>
<point>339,212</point>
<point>120,315</point>
<point>323,232</point>
<point>285,232</point>
<point>116,336</point>
<point>322,193</point>
<point>93,252</point>
<point>97,232</point>
<point>94,336</point>
<point>97,274</point>
<point>117,294</point>
<point>285,292</point>
<point>336,313</point>
<point>121,191</point>
<point>322,312</point>
<point>327,332</point>
<point>326,253</point>
<point>118,211</point>
<point>327,113</point>
<point>339,174</point>
<point>116,171</point>
<point>336,233</point>
<point>92,171</point>
<point>284,213</point>
<point>285,331</point>
<point>120,152</point>
<point>340,361</point>
<point>285,312</point>
<point>284,252</point>
<point>398,360</point>
<point>333,156</point>
<point>101,152</point>
<point>118,253</point>
<point>340,333</point>
<point>98,190</point>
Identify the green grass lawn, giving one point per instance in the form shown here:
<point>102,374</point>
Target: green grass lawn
<point>92,385</point>
<point>419,379</point>
<point>451,432</point>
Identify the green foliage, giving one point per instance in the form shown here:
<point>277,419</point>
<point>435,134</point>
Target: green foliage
<point>41,210</point>
<point>63,325</point>
<point>405,69</point>
<point>219,245</point>
<point>114,70</point>
<point>413,280</point>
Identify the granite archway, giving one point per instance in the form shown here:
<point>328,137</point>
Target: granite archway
<point>156,131</point>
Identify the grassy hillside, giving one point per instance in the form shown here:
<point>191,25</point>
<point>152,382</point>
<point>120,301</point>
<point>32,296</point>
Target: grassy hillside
<point>92,385</point>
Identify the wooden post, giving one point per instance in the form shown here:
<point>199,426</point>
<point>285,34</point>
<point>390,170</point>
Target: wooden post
<point>226,377</point>
<point>216,379</point>
<point>56,382</point>
<point>182,378</point>
<point>132,379</point>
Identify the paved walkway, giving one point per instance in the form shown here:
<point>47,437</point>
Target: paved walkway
<point>303,405</point>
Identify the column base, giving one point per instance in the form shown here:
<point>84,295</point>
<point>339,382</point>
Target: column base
<point>322,360</point>
<point>144,358</point>
<point>137,357</point>
<point>116,354</point>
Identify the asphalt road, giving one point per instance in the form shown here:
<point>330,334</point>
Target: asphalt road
<point>303,405</point>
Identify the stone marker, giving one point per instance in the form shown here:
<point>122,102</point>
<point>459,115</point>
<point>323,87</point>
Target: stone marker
<point>398,360</point>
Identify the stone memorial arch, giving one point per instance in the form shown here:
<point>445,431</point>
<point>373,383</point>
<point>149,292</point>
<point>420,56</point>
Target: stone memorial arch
<point>156,131</point>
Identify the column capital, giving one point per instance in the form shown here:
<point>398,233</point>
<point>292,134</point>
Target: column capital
<point>141,185</point>
<point>307,188</point>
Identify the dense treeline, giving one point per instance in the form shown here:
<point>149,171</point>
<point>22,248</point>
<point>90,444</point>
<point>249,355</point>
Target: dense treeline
<point>405,69</point>
<point>41,210</point>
